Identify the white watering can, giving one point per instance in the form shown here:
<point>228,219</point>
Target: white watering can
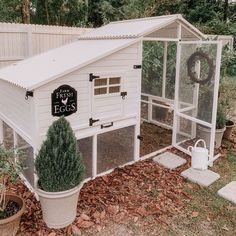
<point>199,156</point>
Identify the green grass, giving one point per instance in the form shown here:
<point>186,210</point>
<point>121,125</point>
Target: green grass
<point>215,215</point>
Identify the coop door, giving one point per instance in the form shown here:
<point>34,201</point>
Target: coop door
<point>108,97</point>
<point>196,93</point>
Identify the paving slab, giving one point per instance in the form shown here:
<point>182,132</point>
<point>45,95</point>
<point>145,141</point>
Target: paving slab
<point>202,177</point>
<point>169,160</point>
<point>228,192</point>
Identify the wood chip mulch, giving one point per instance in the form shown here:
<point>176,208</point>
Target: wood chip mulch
<point>134,194</point>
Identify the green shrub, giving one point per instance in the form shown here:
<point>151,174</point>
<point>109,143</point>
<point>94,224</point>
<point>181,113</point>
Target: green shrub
<point>11,165</point>
<point>58,164</point>
<point>220,119</point>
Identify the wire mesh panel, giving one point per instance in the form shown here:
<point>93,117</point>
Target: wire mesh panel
<point>170,70</point>
<point>152,68</point>
<point>115,148</point>
<point>197,85</point>
<point>26,152</point>
<point>8,138</point>
<point>86,149</point>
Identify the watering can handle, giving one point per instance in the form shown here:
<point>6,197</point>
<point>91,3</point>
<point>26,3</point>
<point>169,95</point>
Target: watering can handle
<point>200,140</point>
<point>190,149</point>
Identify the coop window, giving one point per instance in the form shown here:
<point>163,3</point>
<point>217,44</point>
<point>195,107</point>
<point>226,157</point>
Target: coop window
<point>108,85</point>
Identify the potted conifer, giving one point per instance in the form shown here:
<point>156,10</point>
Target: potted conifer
<point>60,173</point>
<point>11,206</point>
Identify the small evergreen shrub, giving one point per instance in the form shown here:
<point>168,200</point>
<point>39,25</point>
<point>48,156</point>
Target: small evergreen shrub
<point>58,164</point>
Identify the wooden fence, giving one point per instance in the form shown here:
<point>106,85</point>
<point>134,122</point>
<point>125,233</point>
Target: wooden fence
<point>19,41</point>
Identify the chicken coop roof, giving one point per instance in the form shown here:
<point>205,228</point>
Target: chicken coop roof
<point>90,47</point>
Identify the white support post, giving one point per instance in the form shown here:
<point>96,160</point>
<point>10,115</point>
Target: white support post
<point>1,131</point>
<point>164,70</point>
<point>176,101</point>
<point>149,109</point>
<point>138,118</point>
<point>195,101</point>
<point>15,142</point>
<point>215,100</point>
<point>136,141</point>
<point>94,157</point>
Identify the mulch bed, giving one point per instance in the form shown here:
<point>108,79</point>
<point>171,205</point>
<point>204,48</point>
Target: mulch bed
<point>154,138</point>
<point>129,194</point>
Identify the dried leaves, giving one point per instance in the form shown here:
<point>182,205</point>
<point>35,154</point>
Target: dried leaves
<point>127,194</point>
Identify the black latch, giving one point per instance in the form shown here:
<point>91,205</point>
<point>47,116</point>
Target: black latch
<point>123,94</point>
<point>107,126</point>
<point>29,94</point>
<point>92,121</point>
<point>92,77</point>
<point>140,137</point>
<point>137,66</point>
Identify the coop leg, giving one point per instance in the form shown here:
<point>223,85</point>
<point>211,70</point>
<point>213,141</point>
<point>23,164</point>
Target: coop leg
<point>1,132</point>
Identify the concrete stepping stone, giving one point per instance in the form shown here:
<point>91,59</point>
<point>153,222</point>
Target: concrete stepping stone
<point>202,177</point>
<point>169,160</point>
<point>228,192</point>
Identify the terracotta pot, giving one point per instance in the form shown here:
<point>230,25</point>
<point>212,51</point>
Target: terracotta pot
<point>229,128</point>
<point>205,134</point>
<point>10,225</point>
<point>59,208</point>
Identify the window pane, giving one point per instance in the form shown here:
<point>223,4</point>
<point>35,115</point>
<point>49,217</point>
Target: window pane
<point>115,89</point>
<point>100,82</point>
<point>114,80</point>
<point>100,91</point>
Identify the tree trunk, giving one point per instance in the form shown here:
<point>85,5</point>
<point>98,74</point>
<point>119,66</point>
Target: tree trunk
<point>25,11</point>
<point>226,8</point>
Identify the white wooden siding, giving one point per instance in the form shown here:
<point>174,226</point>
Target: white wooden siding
<point>120,61</point>
<point>19,41</point>
<point>16,111</point>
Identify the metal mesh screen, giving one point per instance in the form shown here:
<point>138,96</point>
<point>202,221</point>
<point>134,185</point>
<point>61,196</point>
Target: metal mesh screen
<point>197,94</point>
<point>115,148</point>
<point>197,87</point>
<point>86,149</point>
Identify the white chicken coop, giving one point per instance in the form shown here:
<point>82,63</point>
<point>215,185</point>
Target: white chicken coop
<point>96,83</point>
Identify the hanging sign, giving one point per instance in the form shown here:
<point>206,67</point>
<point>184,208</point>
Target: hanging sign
<point>64,101</point>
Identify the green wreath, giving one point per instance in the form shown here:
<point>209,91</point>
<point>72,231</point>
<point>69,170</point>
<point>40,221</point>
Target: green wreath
<point>198,55</point>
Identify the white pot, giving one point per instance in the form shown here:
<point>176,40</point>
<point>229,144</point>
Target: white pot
<point>205,134</point>
<point>59,208</point>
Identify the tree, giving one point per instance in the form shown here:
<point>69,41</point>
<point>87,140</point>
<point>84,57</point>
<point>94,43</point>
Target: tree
<point>25,11</point>
<point>58,164</point>
<point>61,12</point>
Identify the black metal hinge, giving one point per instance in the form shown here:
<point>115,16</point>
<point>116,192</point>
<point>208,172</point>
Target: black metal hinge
<point>29,94</point>
<point>123,94</point>
<point>92,121</point>
<point>137,66</point>
<point>140,137</point>
<point>92,77</point>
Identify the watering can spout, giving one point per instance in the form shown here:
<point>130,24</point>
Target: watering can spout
<point>199,155</point>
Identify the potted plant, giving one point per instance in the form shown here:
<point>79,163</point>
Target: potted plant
<point>11,206</point>
<point>60,173</point>
<point>205,133</point>
<point>228,88</point>
<point>204,113</point>
<point>227,99</point>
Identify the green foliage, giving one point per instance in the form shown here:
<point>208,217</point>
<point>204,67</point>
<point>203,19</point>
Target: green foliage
<point>10,168</point>
<point>220,119</point>
<point>58,164</point>
<point>10,11</point>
